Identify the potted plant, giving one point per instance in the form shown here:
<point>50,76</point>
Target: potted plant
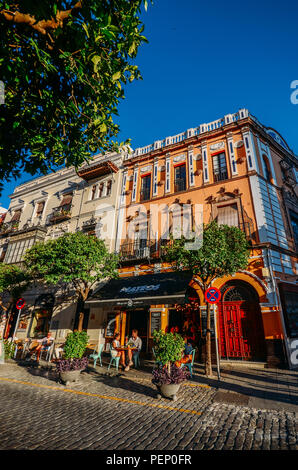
<point>168,348</point>
<point>69,369</point>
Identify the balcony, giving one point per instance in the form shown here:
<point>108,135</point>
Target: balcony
<point>220,176</point>
<point>9,227</point>
<point>180,185</point>
<point>145,194</point>
<point>141,249</point>
<point>89,225</point>
<point>59,214</point>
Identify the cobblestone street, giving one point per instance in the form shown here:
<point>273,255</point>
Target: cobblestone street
<point>110,412</point>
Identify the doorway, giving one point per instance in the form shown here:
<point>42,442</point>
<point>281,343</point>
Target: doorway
<point>138,319</point>
<point>240,323</point>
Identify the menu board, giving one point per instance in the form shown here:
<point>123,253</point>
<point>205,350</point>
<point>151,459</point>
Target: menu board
<point>111,324</point>
<point>155,322</point>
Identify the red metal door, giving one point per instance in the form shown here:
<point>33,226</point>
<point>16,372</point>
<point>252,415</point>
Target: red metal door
<point>241,331</point>
<point>232,342</point>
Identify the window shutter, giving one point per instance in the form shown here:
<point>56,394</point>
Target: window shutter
<point>67,199</point>
<point>228,215</point>
<point>16,216</point>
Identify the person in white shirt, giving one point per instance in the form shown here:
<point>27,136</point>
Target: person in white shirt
<point>114,351</point>
<point>135,342</point>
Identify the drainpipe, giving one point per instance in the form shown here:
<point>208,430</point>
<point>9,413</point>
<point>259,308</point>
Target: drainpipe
<point>278,303</point>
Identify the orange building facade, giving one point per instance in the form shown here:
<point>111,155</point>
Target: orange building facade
<point>237,172</point>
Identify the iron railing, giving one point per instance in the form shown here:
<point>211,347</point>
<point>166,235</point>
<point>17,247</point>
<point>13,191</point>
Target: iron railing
<point>180,184</point>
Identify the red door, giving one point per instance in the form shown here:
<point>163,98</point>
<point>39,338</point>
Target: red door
<point>241,331</point>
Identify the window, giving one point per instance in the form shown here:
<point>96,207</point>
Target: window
<point>16,250</point>
<point>294,223</point>
<point>93,192</point>
<point>228,215</point>
<point>100,191</point>
<point>66,202</point>
<point>109,187</point>
<point>267,169</point>
<point>16,216</point>
<point>180,178</point>
<point>145,188</point>
<point>40,208</point>
<point>220,172</point>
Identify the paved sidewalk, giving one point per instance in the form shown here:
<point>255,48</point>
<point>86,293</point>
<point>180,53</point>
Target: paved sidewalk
<point>248,409</point>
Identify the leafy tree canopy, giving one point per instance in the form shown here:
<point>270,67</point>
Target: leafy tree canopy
<point>13,281</point>
<point>225,250</point>
<point>74,259</point>
<point>63,63</point>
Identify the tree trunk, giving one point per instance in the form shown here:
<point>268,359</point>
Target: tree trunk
<point>81,319</point>
<point>208,363</point>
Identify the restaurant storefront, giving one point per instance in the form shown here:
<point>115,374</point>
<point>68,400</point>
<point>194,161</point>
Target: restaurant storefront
<point>143,302</point>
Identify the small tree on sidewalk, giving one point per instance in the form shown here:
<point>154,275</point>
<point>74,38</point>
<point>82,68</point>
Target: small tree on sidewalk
<point>225,250</point>
<point>14,281</point>
<point>74,261</point>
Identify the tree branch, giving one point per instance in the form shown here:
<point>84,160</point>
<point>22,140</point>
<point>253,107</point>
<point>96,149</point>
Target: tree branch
<point>42,26</point>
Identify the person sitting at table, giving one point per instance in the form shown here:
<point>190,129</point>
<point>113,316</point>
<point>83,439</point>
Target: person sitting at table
<point>44,345</point>
<point>58,351</point>
<point>134,342</point>
<point>186,354</point>
<point>114,351</point>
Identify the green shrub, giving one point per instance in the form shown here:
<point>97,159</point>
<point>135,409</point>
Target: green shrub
<point>9,349</point>
<point>75,344</point>
<point>168,347</point>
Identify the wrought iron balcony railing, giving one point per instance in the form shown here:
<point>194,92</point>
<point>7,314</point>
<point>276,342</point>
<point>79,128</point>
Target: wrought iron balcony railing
<point>8,227</point>
<point>180,184</point>
<point>220,176</point>
<point>145,194</point>
<point>60,213</point>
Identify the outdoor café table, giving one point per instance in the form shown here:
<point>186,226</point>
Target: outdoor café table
<point>126,348</point>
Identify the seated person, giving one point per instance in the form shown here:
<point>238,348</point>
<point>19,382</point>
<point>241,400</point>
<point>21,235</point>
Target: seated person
<point>44,344</point>
<point>58,351</point>
<point>114,352</point>
<point>186,355</point>
<point>135,342</point>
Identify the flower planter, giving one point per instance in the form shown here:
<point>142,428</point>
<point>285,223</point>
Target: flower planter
<point>70,376</point>
<point>168,391</point>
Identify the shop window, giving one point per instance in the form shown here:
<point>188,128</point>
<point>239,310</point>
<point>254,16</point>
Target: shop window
<point>220,171</point>
<point>111,325</point>
<point>228,215</point>
<point>145,188</point>
<point>180,178</point>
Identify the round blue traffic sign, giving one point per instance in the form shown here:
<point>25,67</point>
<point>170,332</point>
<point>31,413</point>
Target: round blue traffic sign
<point>20,303</point>
<point>212,295</point>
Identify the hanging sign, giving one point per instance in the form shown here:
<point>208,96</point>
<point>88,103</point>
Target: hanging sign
<point>212,295</point>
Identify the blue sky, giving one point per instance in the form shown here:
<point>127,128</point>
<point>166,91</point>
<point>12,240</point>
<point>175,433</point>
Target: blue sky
<point>205,60</point>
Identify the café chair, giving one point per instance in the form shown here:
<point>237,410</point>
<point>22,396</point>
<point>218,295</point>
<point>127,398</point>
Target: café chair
<point>189,365</point>
<point>97,355</point>
<point>116,360</point>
